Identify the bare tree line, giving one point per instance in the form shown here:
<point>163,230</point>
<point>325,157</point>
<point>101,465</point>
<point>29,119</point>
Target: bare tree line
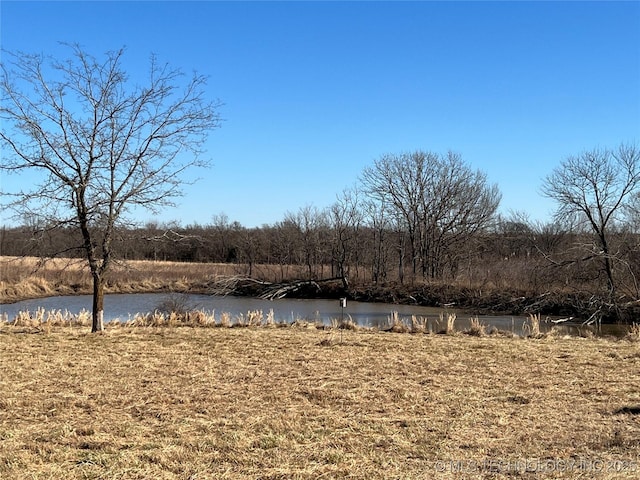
<point>417,219</point>
<point>104,145</point>
<point>363,239</point>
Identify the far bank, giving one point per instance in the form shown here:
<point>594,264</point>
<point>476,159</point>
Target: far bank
<point>29,277</point>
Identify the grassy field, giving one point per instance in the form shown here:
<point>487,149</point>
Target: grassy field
<point>30,277</point>
<point>303,403</point>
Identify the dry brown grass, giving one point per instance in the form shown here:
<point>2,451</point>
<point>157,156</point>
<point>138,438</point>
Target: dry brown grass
<point>236,403</point>
<point>533,325</point>
<point>30,277</point>
<point>634,332</point>
<point>476,328</point>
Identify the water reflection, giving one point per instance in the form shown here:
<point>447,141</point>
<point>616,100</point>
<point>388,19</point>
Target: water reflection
<point>124,306</point>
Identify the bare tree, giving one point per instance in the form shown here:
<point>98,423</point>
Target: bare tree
<point>307,224</point>
<point>438,199</point>
<point>105,145</point>
<point>596,189</point>
<point>375,214</point>
<point>345,218</point>
<point>399,181</point>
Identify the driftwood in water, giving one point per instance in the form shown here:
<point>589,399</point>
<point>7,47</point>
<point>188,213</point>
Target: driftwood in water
<point>265,290</point>
<point>236,285</point>
<point>281,290</point>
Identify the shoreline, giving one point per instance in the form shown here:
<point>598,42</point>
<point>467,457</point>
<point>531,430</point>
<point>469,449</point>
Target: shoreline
<point>23,278</point>
<point>472,301</point>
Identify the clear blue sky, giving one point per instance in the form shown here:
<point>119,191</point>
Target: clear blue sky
<point>315,91</point>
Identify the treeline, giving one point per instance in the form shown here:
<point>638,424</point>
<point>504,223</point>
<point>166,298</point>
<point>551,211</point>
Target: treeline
<point>511,254</point>
<point>413,220</point>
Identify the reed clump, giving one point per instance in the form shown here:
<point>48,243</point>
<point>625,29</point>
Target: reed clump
<point>396,324</point>
<point>476,328</point>
<point>419,324</point>
<point>43,319</point>
<point>451,323</point>
<point>533,326</point>
<point>634,333</point>
<point>192,318</point>
<point>50,318</point>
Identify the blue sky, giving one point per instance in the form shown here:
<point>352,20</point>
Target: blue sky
<point>313,92</point>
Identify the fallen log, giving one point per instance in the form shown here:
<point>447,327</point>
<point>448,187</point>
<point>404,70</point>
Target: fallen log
<point>281,290</point>
<point>262,289</point>
<point>234,285</point>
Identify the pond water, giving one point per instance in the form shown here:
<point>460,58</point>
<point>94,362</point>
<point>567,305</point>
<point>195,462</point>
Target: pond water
<point>125,306</point>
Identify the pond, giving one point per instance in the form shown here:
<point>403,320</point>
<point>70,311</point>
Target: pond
<point>124,306</point>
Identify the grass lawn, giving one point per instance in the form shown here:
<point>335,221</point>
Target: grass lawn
<point>301,403</point>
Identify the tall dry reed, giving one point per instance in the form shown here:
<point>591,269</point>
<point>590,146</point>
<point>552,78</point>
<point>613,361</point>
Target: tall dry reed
<point>476,328</point>
<point>451,323</point>
<point>533,326</point>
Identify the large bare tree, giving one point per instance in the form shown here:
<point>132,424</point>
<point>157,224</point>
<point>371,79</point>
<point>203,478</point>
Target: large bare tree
<point>105,144</point>
<point>439,200</point>
<point>596,189</point>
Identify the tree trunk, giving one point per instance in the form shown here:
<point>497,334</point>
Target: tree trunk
<point>98,304</point>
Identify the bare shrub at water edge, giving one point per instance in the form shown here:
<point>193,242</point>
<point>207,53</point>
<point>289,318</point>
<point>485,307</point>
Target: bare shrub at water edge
<point>176,303</point>
<point>476,328</point>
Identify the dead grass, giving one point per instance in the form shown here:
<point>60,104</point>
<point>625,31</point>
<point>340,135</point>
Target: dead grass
<point>451,323</point>
<point>31,277</point>
<point>271,403</point>
<point>476,328</point>
<point>634,333</point>
<point>532,327</point>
